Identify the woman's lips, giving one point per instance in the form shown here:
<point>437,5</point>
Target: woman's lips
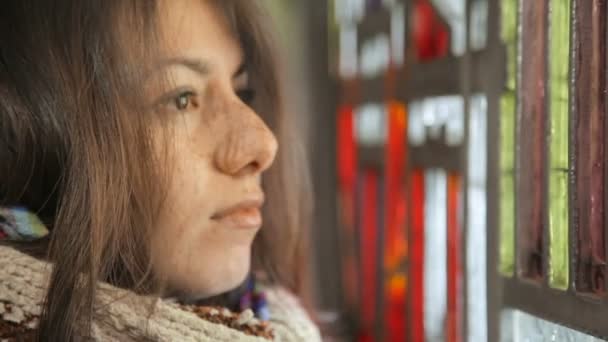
<point>245,215</point>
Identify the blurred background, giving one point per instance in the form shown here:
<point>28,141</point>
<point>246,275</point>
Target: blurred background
<point>457,152</point>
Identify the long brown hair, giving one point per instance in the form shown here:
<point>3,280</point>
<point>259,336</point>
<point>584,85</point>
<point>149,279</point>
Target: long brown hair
<point>75,146</point>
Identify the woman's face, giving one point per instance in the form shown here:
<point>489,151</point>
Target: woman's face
<point>218,149</point>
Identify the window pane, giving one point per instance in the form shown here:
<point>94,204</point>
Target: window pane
<point>507,184</point>
<point>478,25</point>
<point>531,141</point>
<point>558,182</point>
<point>347,185</point>
<point>432,117</point>
<point>453,12</point>
<point>520,326</point>
<point>396,239</point>
<point>509,22</point>
<point>430,35</point>
<point>369,250</point>
<point>476,233</point>
<point>509,37</point>
<point>417,243</point>
<point>370,124</point>
<point>590,78</point>
<point>416,127</point>
<point>454,267</point>
<point>348,57</point>
<point>435,257</point>
<point>397,34</point>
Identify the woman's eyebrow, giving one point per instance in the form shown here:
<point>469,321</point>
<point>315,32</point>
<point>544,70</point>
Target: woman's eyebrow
<point>197,65</point>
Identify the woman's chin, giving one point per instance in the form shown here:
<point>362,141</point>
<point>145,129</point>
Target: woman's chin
<point>220,280</point>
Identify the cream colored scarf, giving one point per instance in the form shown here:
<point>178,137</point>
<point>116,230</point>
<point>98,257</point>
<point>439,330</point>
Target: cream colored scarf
<point>121,315</point>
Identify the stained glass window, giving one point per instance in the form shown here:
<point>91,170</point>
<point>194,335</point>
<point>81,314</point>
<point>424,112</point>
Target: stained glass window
<point>371,124</point>
<point>454,268</point>
<point>430,35</point>
<point>558,71</point>
<point>369,249</point>
<point>418,206</point>
<point>477,215</point>
<point>431,117</point>
<point>347,187</point>
<point>590,103</point>
<point>478,26</point>
<point>398,41</point>
<point>396,250</point>
<point>520,326</point>
<point>435,254</point>
<point>417,243</point>
<point>453,12</point>
<point>531,127</point>
<point>559,67</point>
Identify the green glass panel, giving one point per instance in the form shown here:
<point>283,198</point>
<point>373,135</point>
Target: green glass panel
<point>509,12</point>
<point>559,66</point>
<point>507,186</point>
<point>558,225</point>
<point>507,132</point>
<point>511,66</point>
<point>509,37</point>
<point>559,38</point>
<point>507,224</point>
<point>509,20</point>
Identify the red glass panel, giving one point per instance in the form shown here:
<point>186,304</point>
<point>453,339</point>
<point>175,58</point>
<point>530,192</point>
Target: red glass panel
<point>590,102</point>
<point>368,250</point>
<point>396,240</point>
<point>416,268</point>
<point>454,319</point>
<point>532,136</point>
<point>430,33</point>
<point>347,182</point>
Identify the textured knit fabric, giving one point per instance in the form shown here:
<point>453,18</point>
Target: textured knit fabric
<point>121,315</point>
<point>21,225</point>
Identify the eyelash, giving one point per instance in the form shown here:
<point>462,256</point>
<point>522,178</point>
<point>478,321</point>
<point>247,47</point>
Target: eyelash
<point>174,101</point>
<point>247,96</point>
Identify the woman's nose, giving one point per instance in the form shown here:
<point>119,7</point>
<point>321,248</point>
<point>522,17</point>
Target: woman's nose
<point>249,147</point>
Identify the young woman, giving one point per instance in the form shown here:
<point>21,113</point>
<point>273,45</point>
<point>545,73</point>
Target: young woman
<point>141,179</point>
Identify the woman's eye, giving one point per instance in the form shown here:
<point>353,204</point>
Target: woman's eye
<point>182,101</point>
<point>246,95</point>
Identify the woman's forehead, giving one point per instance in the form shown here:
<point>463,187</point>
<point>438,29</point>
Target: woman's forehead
<point>199,30</point>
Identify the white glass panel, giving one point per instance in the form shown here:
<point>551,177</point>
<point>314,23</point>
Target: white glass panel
<point>453,11</point>
<point>476,233</point>
<point>415,126</point>
<point>435,255</point>
<point>518,326</point>
<point>398,34</point>
<point>348,51</point>
<point>452,110</point>
<point>349,11</point>
<point>370,124</point>
<point>375,56</point>
<point>479,24</point>
<point>433,116</point>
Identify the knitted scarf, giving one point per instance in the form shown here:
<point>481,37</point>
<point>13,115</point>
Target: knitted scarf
<point>19,224</point>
